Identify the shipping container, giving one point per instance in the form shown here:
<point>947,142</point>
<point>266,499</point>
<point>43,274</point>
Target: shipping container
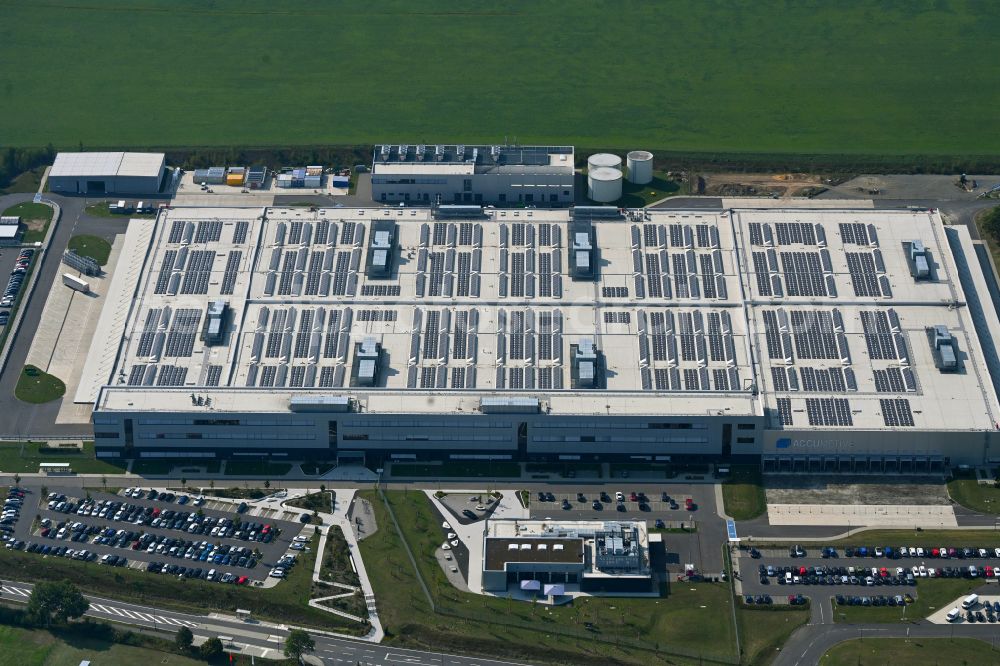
<point>235,179</point>
<point>341,181</point>
<point>211,176</point>
<point>314,171</point>
<point>313,181</point>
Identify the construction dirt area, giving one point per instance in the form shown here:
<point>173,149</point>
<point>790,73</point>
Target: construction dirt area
<point>763,184</point>
<point>878,490</point>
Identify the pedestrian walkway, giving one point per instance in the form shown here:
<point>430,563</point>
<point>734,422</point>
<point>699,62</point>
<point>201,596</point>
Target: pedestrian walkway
<point>878,515</point>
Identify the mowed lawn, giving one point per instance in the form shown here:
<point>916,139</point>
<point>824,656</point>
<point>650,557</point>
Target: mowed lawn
<point>880,651</point>
<point>855,76</point>
<point>40,648</point>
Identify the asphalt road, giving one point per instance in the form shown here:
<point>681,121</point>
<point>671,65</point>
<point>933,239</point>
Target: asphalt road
<point>265,636</point>
<point>19,419</point>
<point>809,643</point>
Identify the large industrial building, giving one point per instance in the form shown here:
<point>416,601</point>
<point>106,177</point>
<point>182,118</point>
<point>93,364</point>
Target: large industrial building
<point>96,174</point>
<point>810,340</point>
<point>530,176</point>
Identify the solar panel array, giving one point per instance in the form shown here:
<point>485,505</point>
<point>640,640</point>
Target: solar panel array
<point>660,274</point>
<point>798,233</point>
<point>895,380</point>
<point>240,232</point>
<point>854,233</point>
<point>231,272</point>
<point>380,290</point>
<point>449,259</point>
<point>183,329</point>
<point>785,411</point>
<point>617,317</point>
<point>446,351</point>
<point>171,375</point>
<point>829,412</point>
<point>896,412</point>
<point>198,271</point>
<point>614,292</point>
<point>803,273</point>
<point>208,231</point>
<point>814,334</point>
<point>884,340</point>
<point>866,279</point>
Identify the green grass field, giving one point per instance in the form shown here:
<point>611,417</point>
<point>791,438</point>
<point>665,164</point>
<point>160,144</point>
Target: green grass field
<point>94,247</point>
<point>924,651</point>
<point>37,387</point>
<point>743,493</point>
<point>857,76</point>
<point>18,457</point>
<point>763,632</point>
<point>691,619</point>
<point>25,647</point>
<point>971,494</point>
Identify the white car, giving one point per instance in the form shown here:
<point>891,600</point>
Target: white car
<point>298,546</point>
<point>923,571</point>
<point>619,496</point>
<point>913,551</point>
<point>301,539</point>
<point>983,554</point>
<point>900,571</point>
<point>920,552</point>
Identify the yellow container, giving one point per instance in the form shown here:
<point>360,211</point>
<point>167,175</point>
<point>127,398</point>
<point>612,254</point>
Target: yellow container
<point>234,178</point>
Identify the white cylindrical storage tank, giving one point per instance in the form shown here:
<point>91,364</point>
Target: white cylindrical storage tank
<point>604,184</point>
<point>640,167</point>
<point>599,160</point>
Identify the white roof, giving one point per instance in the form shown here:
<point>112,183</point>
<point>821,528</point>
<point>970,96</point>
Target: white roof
<point>107,164</point>
<point>141,164</point>
<point>86,164</point>
<point>8,230</point>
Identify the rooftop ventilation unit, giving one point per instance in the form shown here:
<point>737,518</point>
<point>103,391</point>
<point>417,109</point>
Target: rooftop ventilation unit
<point>495,153</point>
<point>438,153</point>
<point>421,152</point>
<point>475,155</point>
<point>919,260</point>
<point>944,347</point>
<point>385,152</point>
<point>587,365</point>
<point>367,364</point>
<point>381,249</point>
<point>460,152</point>
<point>403,149</point>
<point>582,251</point>
<point>213,331</point>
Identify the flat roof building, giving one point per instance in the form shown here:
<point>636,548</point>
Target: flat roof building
<point>809,339</point>
<point>465,174</point>
<point>580,556</point>
<point>97,173</point>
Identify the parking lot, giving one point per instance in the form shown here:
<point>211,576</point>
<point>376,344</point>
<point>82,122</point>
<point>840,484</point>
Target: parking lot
<point>167,535</point>
<point>866,575</point>
<point>671,504</point>
<point>14,264</point>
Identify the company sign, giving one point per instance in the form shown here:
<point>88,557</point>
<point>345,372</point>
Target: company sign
<point>813,444</point>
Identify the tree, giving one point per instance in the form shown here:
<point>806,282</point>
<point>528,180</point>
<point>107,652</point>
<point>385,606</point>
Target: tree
<point>298,643</point>
<point>17,479</point>
<point>56,601</point>
<point>104,482</point>
<point>211,648</point>
<point>322,487</point>
<point>184,639</point>
<point>267,484</point>
<point>45,491</point>
<point>183,483</point>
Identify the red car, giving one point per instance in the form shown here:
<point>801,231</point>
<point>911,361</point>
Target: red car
<point>935,552</point>
<point>989,572</point>
<point>689,504</point>
<point>883,572</point>
<point>265,529</point>
<point>633,497</point>
<point>242,580</point>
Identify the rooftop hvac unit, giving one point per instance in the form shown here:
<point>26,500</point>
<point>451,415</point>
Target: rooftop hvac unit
<point>421,150</point>
<point>385,152</point>
<point>460,152</point>
<point>438,153</point>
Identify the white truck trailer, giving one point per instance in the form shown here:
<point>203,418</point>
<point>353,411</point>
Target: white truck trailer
<point>76,283</point>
